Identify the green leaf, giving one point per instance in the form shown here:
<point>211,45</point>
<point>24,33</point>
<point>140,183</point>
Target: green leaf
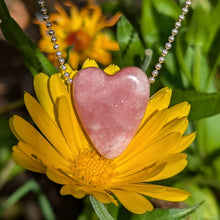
<point>131,47</point>
<point>167,214</point>
<point>167,7</point>
<point>123,213</point>
<point>203,27</point>
<point>149,27</point>
<point>208,137</point>
<point>197,33</point>
<point>202,104</point>
<point>100,209</point>
<point>209,209</point>
<point>30,186</point>
<point>35,60</point>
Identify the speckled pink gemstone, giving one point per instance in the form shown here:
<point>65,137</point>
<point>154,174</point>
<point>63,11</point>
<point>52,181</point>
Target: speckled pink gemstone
<point>111,107</point>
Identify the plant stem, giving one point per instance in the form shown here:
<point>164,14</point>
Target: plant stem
<point>100,209</point>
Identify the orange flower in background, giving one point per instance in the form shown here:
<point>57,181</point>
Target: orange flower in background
<point>82,29</point>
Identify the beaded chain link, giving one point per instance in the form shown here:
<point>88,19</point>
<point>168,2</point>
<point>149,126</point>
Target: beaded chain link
<point>56,46</point>
<point>171,39</point>
<point>161,59</point>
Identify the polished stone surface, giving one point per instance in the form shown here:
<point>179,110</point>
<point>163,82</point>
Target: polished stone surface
<point>111,107</point>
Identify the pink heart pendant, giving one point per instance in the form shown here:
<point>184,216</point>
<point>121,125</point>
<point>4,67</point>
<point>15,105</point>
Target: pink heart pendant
<point>111,107</point>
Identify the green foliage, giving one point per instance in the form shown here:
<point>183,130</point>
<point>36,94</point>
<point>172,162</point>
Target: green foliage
<point>30,186</point>
<point>199,102</point>
<point>131,47</point>
<point>100,209</point>
<point>167,214</point>
<point>209,209</point>
<point>35,60</point>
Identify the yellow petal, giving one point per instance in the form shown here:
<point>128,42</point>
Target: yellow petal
<point>69,70</point>
<point>100,55</point>
<point>47,126</point>
<point>58,176</point>
<point>45,45</point>
<point>67,125</point>
<point>141,176</point>
<point>158,101</point>
<point>145,136</point>
<point>23,160</point>
<point>89,63</point>
<point>178,111</point>
<point>132,201</point>
<point>72,190</point>
<point>12,128</point>
<point>43,95</point>
<point>112,69</point>
<point>113,20</point>
<point>57,90</point>
<point>186,141</point>
<point>64,17</point>
<point>142,188</point>
<point>148,156</point>
<point>170,194</point>
<point>101,196</point>
<point>105,42</point>
<point>35,141</point>
<point>176,125</point>
<point>76,18</point>
<point>175,163</point>
<point>74,59</point>
<point>43,157</point>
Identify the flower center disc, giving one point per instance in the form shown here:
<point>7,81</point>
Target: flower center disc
<point>92,169</point>
<point>80,39</point>
<point>111,108</point>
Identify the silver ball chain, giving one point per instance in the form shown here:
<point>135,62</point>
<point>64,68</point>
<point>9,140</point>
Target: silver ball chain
<point>56,46</point>
<point>161,59</point>
<point>171,39</point>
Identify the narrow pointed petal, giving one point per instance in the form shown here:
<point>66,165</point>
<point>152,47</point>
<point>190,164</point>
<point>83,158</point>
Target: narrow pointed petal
<point>29,135</point>
<point>143,188</point>
<point>179,110</point>
<point>158,101</point>
<point>132,201</point>
<point>23,160</point>
<point>101,196</point>
<point>47,126</point>
<point>57,90</point>
<point>72,190</point>
<point>165,146</point>
<point>41,88</point>
<point>43,157</point>
<point>68,127</point>
<point>175,163</point>
<point>140,176</point>
<point>89,63</point>
<point>58,176</point>
<point>144,137</point>
<point>170,194</point>
<point>176,125</point>
<point>186,141</point>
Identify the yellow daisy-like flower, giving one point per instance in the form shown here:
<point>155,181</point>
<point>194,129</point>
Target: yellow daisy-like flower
<point>62,150</point>
<point>83,29</point>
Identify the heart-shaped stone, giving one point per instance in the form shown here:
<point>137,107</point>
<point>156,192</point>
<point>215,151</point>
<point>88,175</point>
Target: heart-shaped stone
<point>111,107</point>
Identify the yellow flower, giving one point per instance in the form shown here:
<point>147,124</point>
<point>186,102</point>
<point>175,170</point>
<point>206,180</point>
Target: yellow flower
<point>62,150</point>
<point>83,29</point>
